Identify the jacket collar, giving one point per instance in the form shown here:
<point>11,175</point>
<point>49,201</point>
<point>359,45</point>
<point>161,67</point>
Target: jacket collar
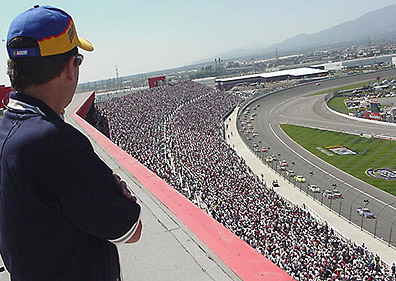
<point>30,104</point>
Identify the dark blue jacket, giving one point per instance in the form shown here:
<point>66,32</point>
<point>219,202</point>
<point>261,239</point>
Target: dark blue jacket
<point>59,203</point>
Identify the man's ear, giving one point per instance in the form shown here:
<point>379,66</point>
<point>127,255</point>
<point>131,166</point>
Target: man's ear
<point>70,69</point>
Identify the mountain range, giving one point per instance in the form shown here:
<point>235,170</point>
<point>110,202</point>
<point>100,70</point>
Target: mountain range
<point>377,24</point>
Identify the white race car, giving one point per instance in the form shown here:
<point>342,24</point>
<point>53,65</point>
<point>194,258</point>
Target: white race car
<point>365,212</point>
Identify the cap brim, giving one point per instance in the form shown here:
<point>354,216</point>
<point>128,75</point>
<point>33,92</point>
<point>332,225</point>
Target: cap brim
<point>85,45</point>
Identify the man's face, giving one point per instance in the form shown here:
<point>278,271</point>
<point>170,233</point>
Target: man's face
<point>76,62</point>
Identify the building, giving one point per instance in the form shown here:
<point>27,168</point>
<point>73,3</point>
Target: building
<point>208,81</point>
<point>154,81</point>
<point>288,74</point>
<point>371,61</point>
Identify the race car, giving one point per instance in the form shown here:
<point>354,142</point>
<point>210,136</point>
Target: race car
<point>332,194</point>
<point>284,163</point>
<point>328,194</point>
<point>313,188</point>
<point>337,194</point>
<point>280,167</point>
<point>275,183</point>
<point>299,178</point>
<point>290,173</point>
<point>269,159</point>
<point>365,212</point>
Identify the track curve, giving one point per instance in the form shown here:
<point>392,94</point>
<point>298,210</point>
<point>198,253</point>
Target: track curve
<point>293,106</point>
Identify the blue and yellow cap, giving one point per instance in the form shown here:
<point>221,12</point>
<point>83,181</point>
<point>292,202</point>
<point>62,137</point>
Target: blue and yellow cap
<point>52,28</point>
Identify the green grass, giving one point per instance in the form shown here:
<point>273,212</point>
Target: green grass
<point>373,153</point>
<point>338,104</point>
<point>349,87</point>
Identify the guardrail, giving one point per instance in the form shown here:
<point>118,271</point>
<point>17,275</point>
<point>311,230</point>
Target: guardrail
<point>313,213</point>
<point>329,202</point>
<point>391,242</point>
<point>388,240</point>
<point>336,232</point>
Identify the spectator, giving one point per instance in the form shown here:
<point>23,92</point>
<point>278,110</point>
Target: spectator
<point>62,210</point>
<point>176,131</point>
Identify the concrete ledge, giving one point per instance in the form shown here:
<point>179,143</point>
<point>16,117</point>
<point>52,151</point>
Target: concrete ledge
<point>234,252</point>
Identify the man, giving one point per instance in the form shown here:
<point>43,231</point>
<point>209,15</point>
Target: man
<point>61,208</point>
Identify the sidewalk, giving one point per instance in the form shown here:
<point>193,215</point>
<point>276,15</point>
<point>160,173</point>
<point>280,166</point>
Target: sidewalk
<point>299,198</point>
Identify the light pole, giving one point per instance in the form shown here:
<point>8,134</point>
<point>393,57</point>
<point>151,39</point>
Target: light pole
<point>321,202</point>
<point>390,231</point>
<point>277,164</point>
<point>305,164</point>
<point>263,152</point>
<point>310,175</point>
<point>272,163</point>
<point>301,182</point>
<point>350,210</point>
<point>268,163</point>
<point>375,227</point>
<point>309,178</point>
<point>365,201</point>
<point>334,185</point>
<point>292,163</point>
<point>342,198</point>
<point>303,173</point>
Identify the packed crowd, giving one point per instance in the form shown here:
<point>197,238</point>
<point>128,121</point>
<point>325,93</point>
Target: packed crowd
<point>177,132</point>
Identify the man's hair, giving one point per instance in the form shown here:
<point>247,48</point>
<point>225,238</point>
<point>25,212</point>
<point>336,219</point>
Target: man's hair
<point>32,71</point>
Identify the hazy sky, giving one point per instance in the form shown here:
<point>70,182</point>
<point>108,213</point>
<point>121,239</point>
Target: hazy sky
<point>143,36</point>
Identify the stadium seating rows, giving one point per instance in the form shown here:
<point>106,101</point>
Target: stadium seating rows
<point>177,132</point>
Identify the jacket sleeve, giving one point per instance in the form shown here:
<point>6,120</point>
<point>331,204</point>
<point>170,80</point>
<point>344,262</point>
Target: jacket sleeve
<point>86,189</point>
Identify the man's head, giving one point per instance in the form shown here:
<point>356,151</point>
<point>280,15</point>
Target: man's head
<point>40,43</point>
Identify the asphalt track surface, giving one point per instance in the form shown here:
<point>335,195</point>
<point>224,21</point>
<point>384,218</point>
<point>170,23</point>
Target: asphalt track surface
<point>293,106</point>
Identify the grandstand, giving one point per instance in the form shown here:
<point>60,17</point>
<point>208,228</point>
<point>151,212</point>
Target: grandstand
<point>181,139</point>
<point>177,132</point>
<point>173,225</point>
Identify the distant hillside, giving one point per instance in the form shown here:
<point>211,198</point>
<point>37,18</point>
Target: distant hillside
<point>375,24</point>
<point>246,51</point>
<point>380,23</point>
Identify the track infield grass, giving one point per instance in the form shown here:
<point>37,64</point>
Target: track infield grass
<point>372,153</point>
<point>349,87</point>
<point>337,104</point>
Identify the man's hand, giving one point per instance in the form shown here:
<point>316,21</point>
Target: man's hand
<point>136,235</point>
<point>124,188</point>
<point>127,193</point>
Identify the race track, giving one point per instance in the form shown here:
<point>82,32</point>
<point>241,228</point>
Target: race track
<point>292,106</point>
